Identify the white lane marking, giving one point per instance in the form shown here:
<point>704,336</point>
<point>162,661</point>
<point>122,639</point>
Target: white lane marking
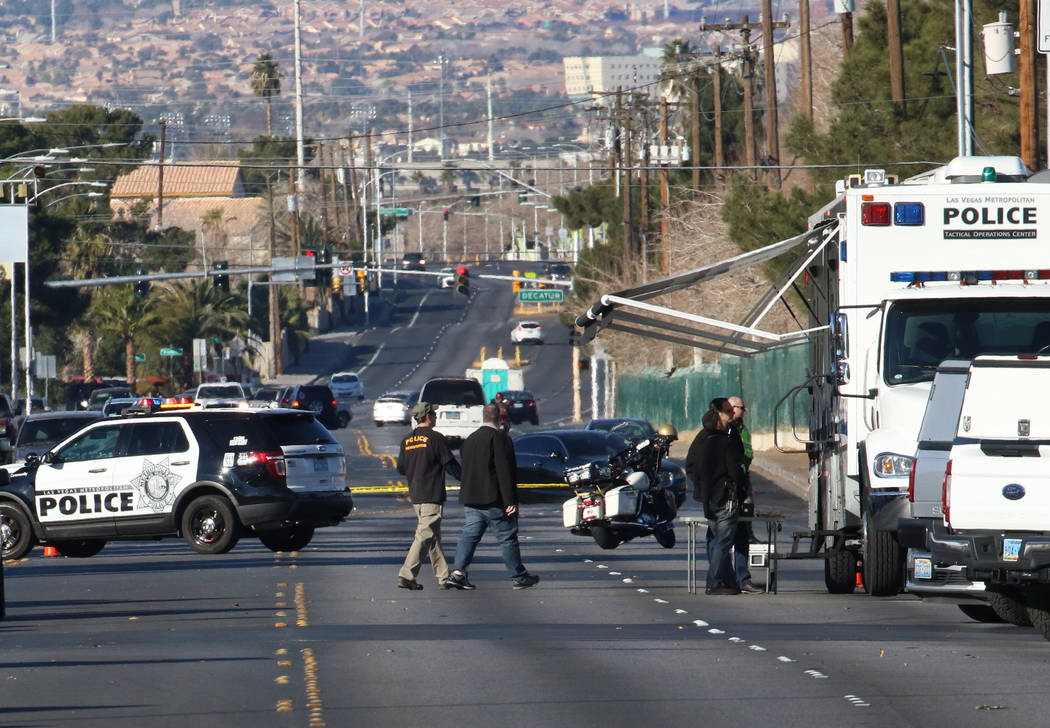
<point>816,674</point>
<point>395,329</point>
<point>857,702</point>
<point>661,601</point>
<point>374,357</point>
<point>785,659</point>
<point>643,591</point>
<point>558,551</point>
<point>715,630</point>
<point>614,573</point>
<point>628,580</point>
<point>587,561</point>
<point>699,623</point>
<point>680,611</point>
<point>418,309</point>
<point>736,639</point>
<point>602,566</point>
<point>757,648</point>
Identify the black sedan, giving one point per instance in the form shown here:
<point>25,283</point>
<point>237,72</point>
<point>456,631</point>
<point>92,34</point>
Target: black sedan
<point>518,405</point>
<point>632,429</point>
<point>542,457</point>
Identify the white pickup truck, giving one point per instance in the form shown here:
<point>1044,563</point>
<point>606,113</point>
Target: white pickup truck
<point>995,497</point>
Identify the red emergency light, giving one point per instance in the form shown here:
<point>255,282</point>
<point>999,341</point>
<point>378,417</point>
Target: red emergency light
<point>875,213</point>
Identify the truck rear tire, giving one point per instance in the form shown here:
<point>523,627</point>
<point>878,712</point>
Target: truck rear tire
<point>840,571</point>
<point>883,561</point>
<point>1010,608</point>
<point>1037,601</point>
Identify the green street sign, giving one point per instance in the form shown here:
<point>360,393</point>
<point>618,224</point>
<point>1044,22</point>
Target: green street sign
<point>170,351</point>
<point>532,295</point>
<point>397,211</point>
<point>140,357</point>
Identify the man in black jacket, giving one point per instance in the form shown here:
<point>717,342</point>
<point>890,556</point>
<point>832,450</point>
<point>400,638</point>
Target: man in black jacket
<point>714,465</point>
<point>489,495</point>
<point>424,458</point>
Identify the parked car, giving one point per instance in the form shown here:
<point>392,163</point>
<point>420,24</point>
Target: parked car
<point>40,431</point>
<point>632,429</point>
<point>347,385</point>
<point>518,405</point>
<point>527,331</point>
<point>207,475</point>
<point>100,396</point>
<point>39,405</point>
<point>316,398</point>
<point>542,457</point>
<point>220,394</point>
<point>559,271</point>
<point>115,406</point>
<point>394,407</point>
<point>265,397</point>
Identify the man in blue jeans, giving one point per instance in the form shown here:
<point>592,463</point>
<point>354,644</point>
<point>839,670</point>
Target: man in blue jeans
<point>489,495</point>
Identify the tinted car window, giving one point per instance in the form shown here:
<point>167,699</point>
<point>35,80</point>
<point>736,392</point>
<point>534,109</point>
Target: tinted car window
<point>296,430</point>
<point>597,445</point>
<point>240,434</point>
<point>49,430</point>
<point>313,392</point>
<point>98,443</point>
<point>226,392</point>
<point>538,445</point>
<point>156,438</point>
<point>344,379</point>
<point>455,392</point>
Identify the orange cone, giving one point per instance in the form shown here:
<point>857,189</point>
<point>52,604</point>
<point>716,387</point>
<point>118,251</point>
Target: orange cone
<point>50,551</point>
<point>860,580</point>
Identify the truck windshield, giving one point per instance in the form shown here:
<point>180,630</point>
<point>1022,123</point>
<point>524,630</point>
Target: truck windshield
<point>921,334</point>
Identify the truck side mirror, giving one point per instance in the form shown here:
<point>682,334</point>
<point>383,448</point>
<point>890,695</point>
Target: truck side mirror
<point>840,335</point>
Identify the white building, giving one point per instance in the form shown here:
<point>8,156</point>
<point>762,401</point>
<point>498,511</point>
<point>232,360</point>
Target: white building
<point>586,75</point>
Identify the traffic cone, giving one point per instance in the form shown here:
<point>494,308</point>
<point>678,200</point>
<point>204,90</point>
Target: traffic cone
<point>860,579</point>
<point>50,551</point>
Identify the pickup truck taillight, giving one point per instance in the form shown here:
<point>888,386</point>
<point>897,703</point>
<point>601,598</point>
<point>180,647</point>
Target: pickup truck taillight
<point>946,494</point>
<point>911,481</point>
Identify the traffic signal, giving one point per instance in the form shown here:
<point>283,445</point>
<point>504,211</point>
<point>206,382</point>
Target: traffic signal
<point>311,255</point>
<point>141,287</point>
<point>475,201</point>
<point>360,281</point>
<point>337,284</point>
<point>444,214</point>
<point>463,280</point>
<point>324,275</point>
<point>222,282</point>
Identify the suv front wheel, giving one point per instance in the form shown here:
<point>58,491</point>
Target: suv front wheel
<point>291,537</point>
<point>210,526</point>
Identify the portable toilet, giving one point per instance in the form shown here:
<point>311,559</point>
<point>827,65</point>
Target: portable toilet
<point>494,377</point>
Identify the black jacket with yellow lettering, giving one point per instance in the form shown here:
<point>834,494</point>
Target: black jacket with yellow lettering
<point>424,459</point>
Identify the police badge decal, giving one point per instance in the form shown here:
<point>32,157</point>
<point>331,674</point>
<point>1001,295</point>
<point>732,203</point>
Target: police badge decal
<point>156,485</point>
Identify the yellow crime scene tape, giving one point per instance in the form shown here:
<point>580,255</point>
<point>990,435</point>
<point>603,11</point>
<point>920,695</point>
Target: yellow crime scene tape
<point>402,488</point>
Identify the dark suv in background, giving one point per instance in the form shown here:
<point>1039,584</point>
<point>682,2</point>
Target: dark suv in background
<point>316,398</point>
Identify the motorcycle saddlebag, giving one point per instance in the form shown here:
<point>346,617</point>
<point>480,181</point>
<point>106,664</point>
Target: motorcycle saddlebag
<point>622,502</point>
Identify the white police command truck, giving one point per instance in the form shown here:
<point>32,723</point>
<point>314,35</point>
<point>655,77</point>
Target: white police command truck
<point>897,278</point>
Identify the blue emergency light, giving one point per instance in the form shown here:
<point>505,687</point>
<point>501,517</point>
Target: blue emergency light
<point>909,213</point>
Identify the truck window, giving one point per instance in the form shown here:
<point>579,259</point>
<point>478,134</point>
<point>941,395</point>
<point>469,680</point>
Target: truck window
<point>454,392</point>
<point>921,334</point>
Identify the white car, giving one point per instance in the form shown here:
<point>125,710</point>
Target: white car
<point>220,394</point>
<point>347,385</point>
<point>447,279</point>
<point>527,331</point>
<point>394,407</point>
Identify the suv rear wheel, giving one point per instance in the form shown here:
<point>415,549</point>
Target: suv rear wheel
<point>16,533</point>
<point>210,526</point>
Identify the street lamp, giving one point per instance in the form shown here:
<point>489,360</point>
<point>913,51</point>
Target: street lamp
<point>78,194</point>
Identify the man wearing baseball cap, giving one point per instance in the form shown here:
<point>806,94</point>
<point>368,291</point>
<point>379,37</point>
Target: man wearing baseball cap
<point>424,459</point>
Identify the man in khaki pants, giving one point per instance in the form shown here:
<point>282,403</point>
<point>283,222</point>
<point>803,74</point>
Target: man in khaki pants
<point>424,459</point>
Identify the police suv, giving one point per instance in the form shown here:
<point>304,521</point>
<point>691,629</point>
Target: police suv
<point>208,475</point>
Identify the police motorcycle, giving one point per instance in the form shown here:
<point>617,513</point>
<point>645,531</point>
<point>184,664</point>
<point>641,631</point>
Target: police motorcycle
<point>627,496</point>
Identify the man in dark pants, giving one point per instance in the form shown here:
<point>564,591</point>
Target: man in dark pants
<point>712,464</point>
<point>741,438</point>
<point>489,494</point>
<point>424,459</point>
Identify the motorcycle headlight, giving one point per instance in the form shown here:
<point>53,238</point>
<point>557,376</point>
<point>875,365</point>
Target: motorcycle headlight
<point>891,465</point>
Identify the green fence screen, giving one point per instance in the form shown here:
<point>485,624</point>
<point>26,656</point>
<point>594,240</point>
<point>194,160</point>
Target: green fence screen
<point>682,398</point>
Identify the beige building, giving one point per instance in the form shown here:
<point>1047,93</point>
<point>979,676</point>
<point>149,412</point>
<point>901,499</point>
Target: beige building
<point>586,75</point>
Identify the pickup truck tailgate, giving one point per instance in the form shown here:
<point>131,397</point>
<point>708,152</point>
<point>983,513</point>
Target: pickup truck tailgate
<point>1000,486</point>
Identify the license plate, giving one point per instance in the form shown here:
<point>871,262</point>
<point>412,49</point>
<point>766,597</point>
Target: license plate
<point>923,569</point>
<point>452,415</point>
<point>320,465</point>
<point>1011,549</point>
<point>518,404</point>
<point>591,512</point>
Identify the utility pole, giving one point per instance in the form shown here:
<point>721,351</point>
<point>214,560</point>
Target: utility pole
<point>665,195</point>
<point>720,160</point>
<point>694,157</point>
<point>275,314</point>
<point>807,59</point>
<point>846,20</point>
<point>893,41</point>
<point>293,211</point>
<point>160,176</point>
<point>643,192</point>
<point>1026,28</point>
<point>625,189</point>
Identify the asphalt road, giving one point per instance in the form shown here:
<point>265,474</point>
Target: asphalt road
<point>152,634</point>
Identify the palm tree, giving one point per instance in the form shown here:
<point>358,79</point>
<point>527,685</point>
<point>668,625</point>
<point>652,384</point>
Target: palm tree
<point>266,83</point>
<point>191,310</point>
<point>294,318</point>
<point>115,311</point>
